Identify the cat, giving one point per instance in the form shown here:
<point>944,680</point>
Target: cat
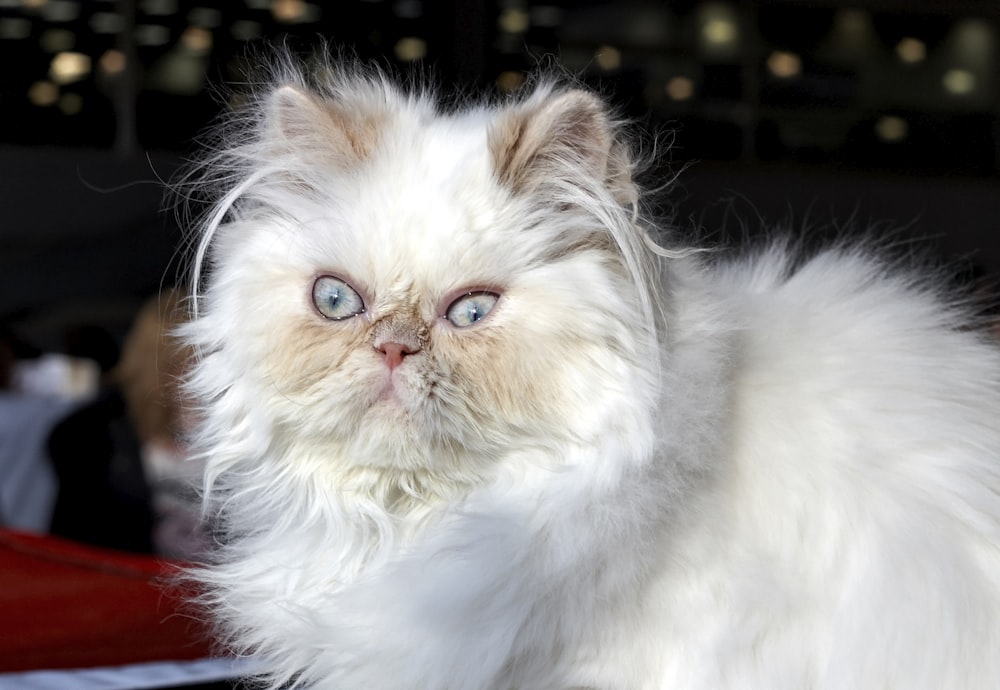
<point>472,421</point>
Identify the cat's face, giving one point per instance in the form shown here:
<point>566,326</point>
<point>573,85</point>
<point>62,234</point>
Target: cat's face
<point>406,292</point>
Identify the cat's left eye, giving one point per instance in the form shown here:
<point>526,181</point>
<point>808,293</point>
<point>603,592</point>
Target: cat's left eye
<point>335,299</point>
<point>470,308</point>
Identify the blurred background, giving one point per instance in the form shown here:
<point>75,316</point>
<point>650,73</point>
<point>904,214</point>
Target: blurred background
<point>812,113</point>
<point>820,115</point>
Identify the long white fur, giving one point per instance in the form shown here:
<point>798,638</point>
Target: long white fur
<point>749,473</point>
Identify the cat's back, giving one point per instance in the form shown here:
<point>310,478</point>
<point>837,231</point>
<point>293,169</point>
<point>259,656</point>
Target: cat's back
<point>845,337</point>
<point>855,520</point>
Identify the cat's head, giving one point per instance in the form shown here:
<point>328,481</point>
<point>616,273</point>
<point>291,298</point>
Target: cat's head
<point>394,284</point>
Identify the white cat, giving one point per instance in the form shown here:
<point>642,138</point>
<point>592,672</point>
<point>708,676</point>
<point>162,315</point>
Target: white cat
<point>468,427</point>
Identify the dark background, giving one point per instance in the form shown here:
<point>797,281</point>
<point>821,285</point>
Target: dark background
<point>814,114</point>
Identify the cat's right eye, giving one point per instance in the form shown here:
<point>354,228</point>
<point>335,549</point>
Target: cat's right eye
<point>335,299</point>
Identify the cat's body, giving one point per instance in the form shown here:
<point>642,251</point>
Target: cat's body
<point>463,432</point>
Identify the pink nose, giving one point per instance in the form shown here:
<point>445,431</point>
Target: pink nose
<point>394,353</point>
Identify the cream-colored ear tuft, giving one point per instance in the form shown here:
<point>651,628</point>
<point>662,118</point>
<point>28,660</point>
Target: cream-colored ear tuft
<point>562,133</point>
<point>301,122</point>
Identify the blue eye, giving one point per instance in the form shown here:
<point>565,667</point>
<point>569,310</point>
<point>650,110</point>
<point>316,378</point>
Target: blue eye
<point>335,299</point>
<point>470,308</point>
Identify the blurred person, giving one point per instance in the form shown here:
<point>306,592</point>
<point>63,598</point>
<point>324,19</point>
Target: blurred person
<point>124,482</point>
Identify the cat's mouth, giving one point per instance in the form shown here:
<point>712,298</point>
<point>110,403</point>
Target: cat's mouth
<point>395,388</point>
<point>389,392</point>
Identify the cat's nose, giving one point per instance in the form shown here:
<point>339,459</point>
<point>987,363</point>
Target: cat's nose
<point>395,352</point>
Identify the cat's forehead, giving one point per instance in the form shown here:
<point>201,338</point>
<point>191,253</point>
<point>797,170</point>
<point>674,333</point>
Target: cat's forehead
<point>440,176</point>
<point>426,210</point>
<point>444,155</point>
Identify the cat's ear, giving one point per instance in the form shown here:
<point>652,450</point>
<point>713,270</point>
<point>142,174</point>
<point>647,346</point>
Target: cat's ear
<point>299,122</point>
<point>560,134</point>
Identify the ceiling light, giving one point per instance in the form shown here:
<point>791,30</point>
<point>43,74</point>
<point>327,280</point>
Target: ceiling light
<point>608,58</point>
<point>288,11</point>
<point>112,62</point>
<point>68,67</point>
<point>680,88</point>
<point>784,65</point>
<point>196,39</point>
<point>911,50</point>
<point>891,128</point>
<point>718,28</point>
<point>514,21</point>
<point>43,93</point>
<point>411,48</point>
<point>510,80</point>
<point>959,82</point>
<point>294,11</point>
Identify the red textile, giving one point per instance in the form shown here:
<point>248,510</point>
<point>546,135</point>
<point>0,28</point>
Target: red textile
<point>66,605</point>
